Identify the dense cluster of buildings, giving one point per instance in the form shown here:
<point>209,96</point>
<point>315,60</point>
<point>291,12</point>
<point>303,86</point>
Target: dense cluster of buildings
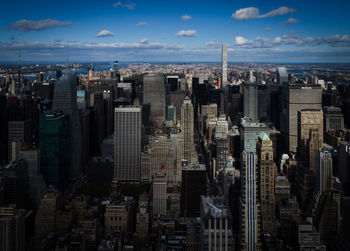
<point>216,159</point>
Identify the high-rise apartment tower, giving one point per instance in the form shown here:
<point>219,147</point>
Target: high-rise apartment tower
<point>127,143</point>
<point>224,65</point>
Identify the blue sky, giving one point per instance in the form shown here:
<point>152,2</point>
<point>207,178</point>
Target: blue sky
<point>255,31</point>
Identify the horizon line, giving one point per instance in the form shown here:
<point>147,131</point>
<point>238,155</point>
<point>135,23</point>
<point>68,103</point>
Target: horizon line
<point>168,62</point>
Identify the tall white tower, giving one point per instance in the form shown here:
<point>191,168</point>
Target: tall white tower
<point>224,65</point>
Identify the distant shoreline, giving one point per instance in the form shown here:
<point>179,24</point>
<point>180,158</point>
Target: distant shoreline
<point>122,63</point>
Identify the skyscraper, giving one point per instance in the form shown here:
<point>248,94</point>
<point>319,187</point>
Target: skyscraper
<point>282,76</point>
<point>18,132</point>
<point>65,100</point>
<point>266,108</point>
<point>258,76</point>
<point>45,217</point>
<point>3,128</point>
<point>324,173</point>
<point>310,135</point>
<point>267,169</point>
<point>221,129</point>
<point>12,229</point>
<point>146,111</point>
<point>54,148</point>
<point>142,220</point>
<point>200,92</point>
<point>171,113</point>
<point>154,93</point>
<point>333,118</point>
<point>173,82</point>
<point>187,124</point>
<point>224,65</point>
<point>127,143</point>
<point>115,74</point>
<point>343,165</point>
<point>159,195</point>
<point>250,99</point>
<point>37,185</point>
<point>177,99</point>
<point>249,205</point>
<point>161,158</point>
<point>293,99</point>
<point>346,110</point>
<point>249,133</point>
<point>116,66</point>
<point>194,184</point>
<point>326,216</point>
<point>216,233</point>
<point>15,181</point>
<point>251,77</point>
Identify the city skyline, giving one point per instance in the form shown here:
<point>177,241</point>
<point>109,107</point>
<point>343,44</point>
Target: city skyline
<point>287,31</point>
<point>163,125</point>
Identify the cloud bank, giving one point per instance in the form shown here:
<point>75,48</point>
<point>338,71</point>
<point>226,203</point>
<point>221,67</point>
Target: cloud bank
<point>30,25</point>
<point>292,39</point>
<point>252,13</point>
<point>145,50</point>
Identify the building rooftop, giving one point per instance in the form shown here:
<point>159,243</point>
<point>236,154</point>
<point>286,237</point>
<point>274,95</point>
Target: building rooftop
<point>229,164</point>
<point>246,122</point>
<point>214,206</point>
<point>310,110</point>
<point>199,167</point>
<point>264,136</point>
<point>127,109</point>
<point>281,181</point>
<point>52,114</point>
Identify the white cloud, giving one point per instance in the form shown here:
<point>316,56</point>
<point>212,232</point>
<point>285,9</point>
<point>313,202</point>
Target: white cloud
<point>252,13</point>
<point>246,13</point>
<point>141,24</point>
<point>292,39</point>
<point>278,12</point>
<point>186,33</point>
<point>129,6</point>
<point>186,17</point>
<point>29,25</point>
<point>212,44</point>
<point>143,41</point>
<point>277,40</point>
<point>241,40</point>
<point>105,33</point>
<point>117,4</point>
<point>291,21</point>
